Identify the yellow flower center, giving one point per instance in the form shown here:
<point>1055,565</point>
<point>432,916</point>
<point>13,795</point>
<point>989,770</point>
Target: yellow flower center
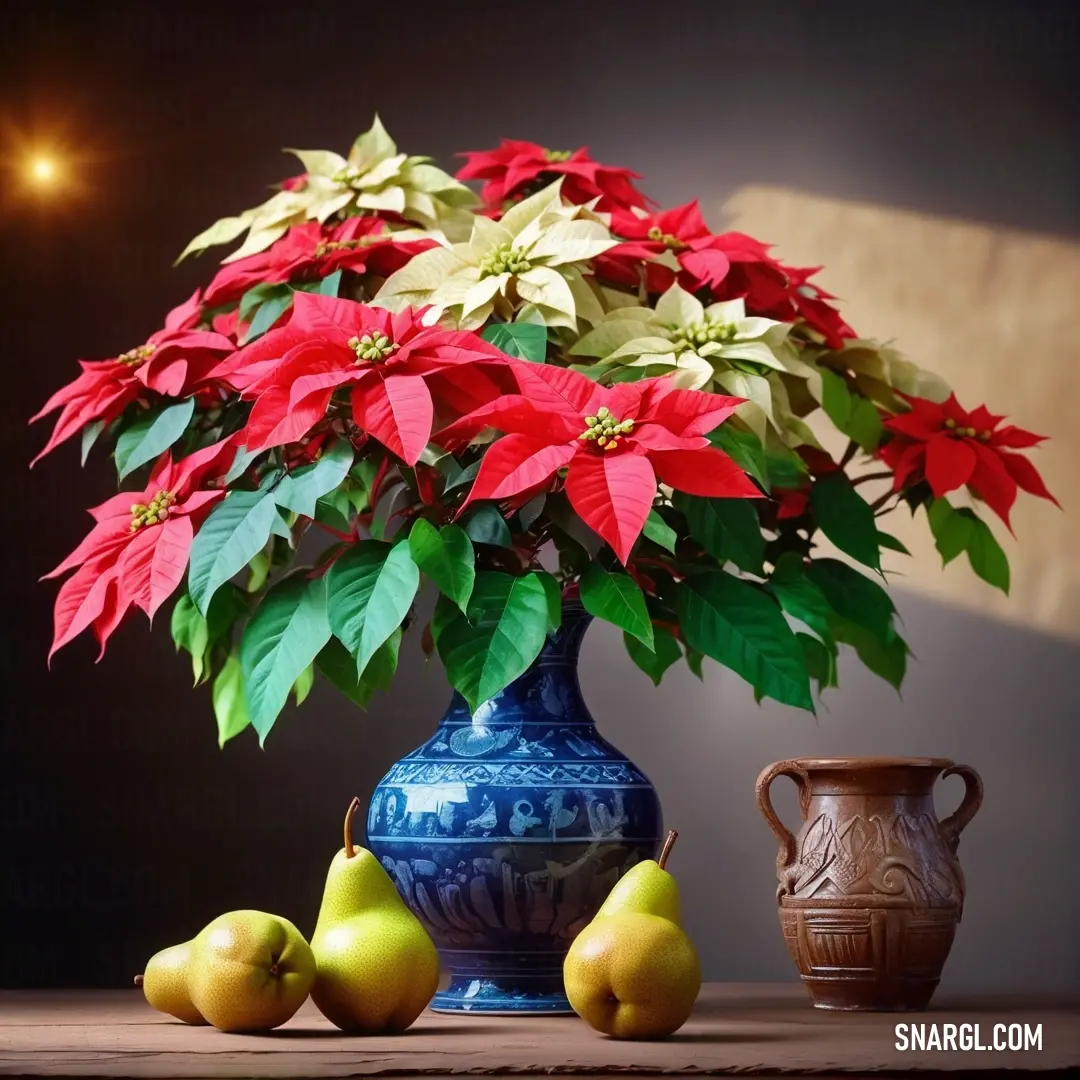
<point>154,514</point>
<point>135,357</point>
<point>372,348</point>
<point>504,260</point>
<point>557,155</point>
<point>704,332</point>
<point>604,429</point>
<point>967,432</point>
<point>669,240</point>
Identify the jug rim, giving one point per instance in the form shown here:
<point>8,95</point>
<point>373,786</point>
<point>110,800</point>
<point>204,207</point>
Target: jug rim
<point>860,763</point>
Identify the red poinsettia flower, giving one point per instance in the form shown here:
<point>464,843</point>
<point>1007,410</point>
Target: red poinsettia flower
<point>516,164</point>
<point>174,362</point>
<point>311,252</point>
<point>951,447</point>
<point>137,551</point>
<point>615,442</point>
<point>786,293</point>
<point>396,368</point>
<point>704,259</point>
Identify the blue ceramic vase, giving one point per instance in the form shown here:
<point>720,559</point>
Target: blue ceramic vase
<point>506,830</point>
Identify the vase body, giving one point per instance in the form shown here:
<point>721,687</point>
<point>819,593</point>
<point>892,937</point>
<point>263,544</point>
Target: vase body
<point>870,890</point>
<point>506,830</point>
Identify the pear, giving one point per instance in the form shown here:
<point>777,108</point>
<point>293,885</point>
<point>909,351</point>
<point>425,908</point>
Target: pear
<point>165,983</point>
<point>245,971</point>
<point>376,966</point>
<point>632,972</point>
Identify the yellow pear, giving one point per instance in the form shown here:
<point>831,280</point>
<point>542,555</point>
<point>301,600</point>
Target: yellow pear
<point>165,983</point>
<point>376,966</point>
<point>632,972</point>
<point>245,971</point>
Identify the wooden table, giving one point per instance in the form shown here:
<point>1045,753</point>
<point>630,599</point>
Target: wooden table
<point>736,1028</point>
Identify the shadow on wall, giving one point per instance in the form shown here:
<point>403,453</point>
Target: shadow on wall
<point>991,310</point>
<point>998,697</point>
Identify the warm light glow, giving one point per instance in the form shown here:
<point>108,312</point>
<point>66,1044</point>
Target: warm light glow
<point>42,170</point>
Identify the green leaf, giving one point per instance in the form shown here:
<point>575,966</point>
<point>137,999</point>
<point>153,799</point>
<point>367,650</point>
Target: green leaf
<point>283,636</point>
<point>241,462</point>
<point>234,533</point>
<point>302,686</point>
<point>728,529</point>
<point>299,491</point>
<point>956,531</point>
<point>191,633</point>
<point>553,590</point>
<point>660,532</point>
<point>370,588</point>
<point>885,658</point>
<point>887,540</point>
<point>855,416</point>
<point>799,596</point>
<point>230,706</point>
<point>379,673</point>
<point>835,398</point>
<point>338,665</point>
<point>655,661</point>
<point>271,301</point>
<point>503,634</point>
<point>854,596</point>
<point>693,662</point>
<point>864,425</point>
<point>151,435</point>
<point>744,448</point>
<point>90,435</point>
<point>526,341</point>
<point>740,626</point>
<point>951,531</point>
<point>487,526</point>
<point>258,295</point>
<point>786,469</point>
<point>258,572</point>
<point>820,661</point>
<point>331,284</point>
<point>446,556</point>
<point>984,553</point>
<point>616,598</point>
<point>846,519</point>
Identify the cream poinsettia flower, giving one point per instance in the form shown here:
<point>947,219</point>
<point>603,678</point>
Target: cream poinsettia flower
<point>527,266</point>
<point>373,177</point>
<point>718,347</point>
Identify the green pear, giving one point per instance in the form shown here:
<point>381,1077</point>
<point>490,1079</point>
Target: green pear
<point>632,972</point>
<point>165,983</point>
<point>376,966</point>
<point>245,971</point>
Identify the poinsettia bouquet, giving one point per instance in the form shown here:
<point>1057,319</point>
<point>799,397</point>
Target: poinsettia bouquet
<point>552,392</point>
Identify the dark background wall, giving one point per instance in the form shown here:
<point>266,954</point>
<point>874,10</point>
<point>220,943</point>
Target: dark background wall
<point>122,827</point>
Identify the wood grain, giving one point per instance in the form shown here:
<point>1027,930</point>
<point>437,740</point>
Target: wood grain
<point>736,1028</point>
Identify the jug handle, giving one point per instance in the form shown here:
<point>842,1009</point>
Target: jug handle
<point>955,823</point>
<point>786,856</point>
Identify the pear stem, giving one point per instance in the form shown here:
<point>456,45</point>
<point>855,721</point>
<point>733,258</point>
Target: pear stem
<point>669,843</point>
<point>138,980</point>
<point>350,851</point>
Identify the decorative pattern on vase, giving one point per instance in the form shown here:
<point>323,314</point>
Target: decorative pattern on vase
<point>870,891</point>
<point>506,830</point>
<point>897,855</point>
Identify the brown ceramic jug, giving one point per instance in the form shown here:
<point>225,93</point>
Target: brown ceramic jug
<point>870,891</point>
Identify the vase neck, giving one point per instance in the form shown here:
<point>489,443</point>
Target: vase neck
<point>547,689</point>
